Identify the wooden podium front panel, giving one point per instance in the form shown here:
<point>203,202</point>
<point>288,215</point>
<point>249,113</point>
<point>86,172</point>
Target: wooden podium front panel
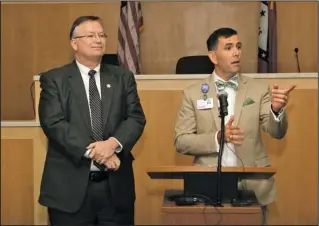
<point>209,215</point>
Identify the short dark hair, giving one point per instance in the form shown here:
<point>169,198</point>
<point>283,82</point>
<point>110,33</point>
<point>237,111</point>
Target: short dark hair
<point>81,20</point>
<point>225,32</point>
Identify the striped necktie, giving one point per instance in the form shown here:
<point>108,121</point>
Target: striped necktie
<point>96,113</point>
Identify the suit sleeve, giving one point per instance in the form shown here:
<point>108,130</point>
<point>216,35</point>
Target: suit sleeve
<point>275,126</point>
<point>130,130</point>
<point>54,124</point>
<point>187,140</point>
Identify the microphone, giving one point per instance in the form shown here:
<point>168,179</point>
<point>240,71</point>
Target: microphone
<point>296,55</point>
<point>223,104</point>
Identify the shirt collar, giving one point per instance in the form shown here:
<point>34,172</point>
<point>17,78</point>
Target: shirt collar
<point>216,77</point>
<point>85,70</point>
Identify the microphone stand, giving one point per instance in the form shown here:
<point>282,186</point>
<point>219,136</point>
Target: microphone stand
<point>297,58</point>
<point>218,202</point>
<point>298,62</point>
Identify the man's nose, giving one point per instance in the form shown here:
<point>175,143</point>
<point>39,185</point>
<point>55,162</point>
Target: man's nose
<point>97,38</point>
<point>236,52</point>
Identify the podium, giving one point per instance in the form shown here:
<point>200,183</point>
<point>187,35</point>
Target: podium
<point>194,205</point>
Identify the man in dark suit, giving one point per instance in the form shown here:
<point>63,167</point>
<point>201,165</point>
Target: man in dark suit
<point>92,117</point>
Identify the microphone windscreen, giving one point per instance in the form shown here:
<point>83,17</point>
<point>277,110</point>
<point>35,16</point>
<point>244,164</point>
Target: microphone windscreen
<point>222,93</point>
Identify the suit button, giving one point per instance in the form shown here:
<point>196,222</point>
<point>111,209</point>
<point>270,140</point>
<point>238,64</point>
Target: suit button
<point>92,176</point>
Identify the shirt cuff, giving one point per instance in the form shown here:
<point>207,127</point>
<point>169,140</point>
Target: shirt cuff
<point>119,148</point>
<point>279,115</point>
<point>86,154</point>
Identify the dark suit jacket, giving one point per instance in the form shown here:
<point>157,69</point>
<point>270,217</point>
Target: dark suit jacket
<point>65,119</point>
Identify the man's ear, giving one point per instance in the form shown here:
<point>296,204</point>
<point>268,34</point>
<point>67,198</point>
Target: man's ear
<point>212,56</point>
<point>74,44</point>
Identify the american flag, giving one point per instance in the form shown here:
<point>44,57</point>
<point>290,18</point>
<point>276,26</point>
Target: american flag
<point>130,26</point>
<point>267,48</point>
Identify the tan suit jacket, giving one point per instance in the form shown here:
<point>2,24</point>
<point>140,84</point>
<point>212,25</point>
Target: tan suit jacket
<point>195,129</point>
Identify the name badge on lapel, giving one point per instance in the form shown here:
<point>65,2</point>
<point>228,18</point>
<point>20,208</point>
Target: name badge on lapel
<point>205,104</point>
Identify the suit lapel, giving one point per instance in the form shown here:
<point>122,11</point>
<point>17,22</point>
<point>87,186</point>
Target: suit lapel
<point>240,97</point>
<point>107,87</point>
<point>78,89</point>
<point>212,93</point>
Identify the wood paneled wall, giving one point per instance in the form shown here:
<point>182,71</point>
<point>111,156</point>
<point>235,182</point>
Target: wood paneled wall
<point>23,151</point>
<point>34,38</point>
<point>295,158</point>
<point>17,182</point>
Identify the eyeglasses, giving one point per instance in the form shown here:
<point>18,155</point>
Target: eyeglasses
<point>90,37</point>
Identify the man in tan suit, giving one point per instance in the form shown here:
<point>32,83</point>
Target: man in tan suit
<point>251,105</point>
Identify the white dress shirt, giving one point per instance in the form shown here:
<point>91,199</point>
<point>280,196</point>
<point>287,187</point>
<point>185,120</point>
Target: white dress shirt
<point>229,157</point>
<point>86,80</point>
